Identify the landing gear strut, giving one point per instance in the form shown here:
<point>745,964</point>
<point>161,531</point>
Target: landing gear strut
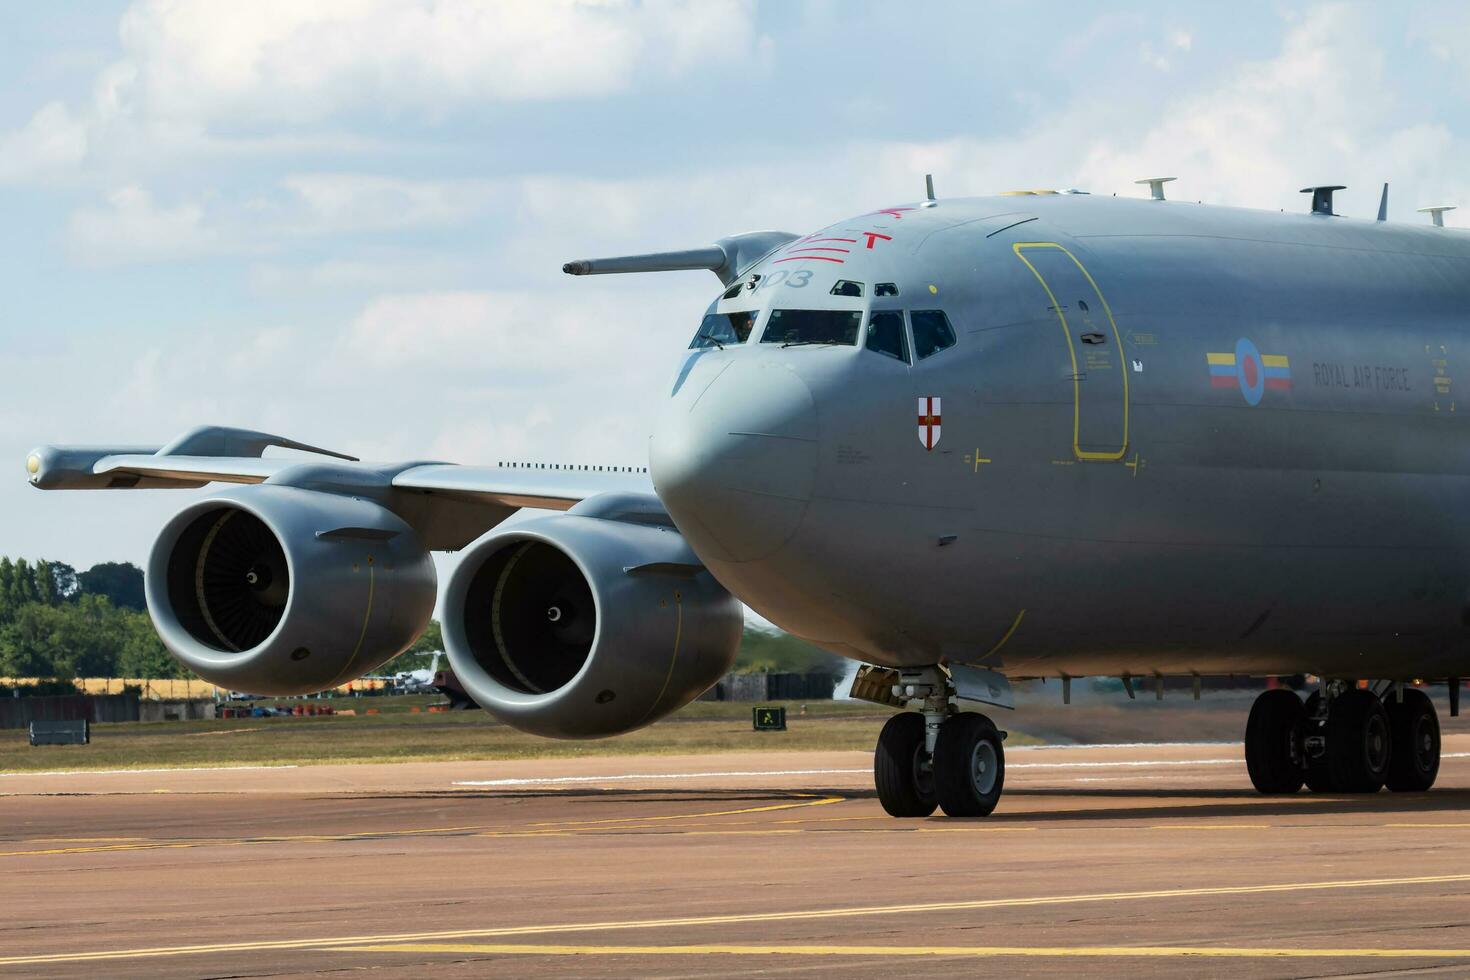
<point>942,757</point>
<point>1343,740</point>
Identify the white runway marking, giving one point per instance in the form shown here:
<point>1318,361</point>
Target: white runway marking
<point>1126,764</point>
<point>554,780</point>
<point>736,774</point>
<point>1077,746</point>
<point>130,772</point>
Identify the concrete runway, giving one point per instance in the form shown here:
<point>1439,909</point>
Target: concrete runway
<point>1145,859</point>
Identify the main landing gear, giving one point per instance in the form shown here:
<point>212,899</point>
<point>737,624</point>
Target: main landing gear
<point>941,758</point>
<point>1344,739</point>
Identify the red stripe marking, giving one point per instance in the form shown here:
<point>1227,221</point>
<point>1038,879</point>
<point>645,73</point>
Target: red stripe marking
<point>1223,381</point>
<point>819,258</point>
<point>1279,384</point>
<point>820,248</point>
<point>851,241</point>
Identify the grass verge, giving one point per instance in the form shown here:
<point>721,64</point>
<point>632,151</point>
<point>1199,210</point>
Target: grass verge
<point>399,735</point>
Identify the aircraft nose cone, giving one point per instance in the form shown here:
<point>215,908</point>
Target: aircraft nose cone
<point>734,461</point>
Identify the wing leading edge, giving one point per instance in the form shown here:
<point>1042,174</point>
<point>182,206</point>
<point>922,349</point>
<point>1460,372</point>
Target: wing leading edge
<point>450,504</point>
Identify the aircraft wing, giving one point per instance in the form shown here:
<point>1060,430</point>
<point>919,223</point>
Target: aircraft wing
<point>554,487</point>
<point>449,505</point>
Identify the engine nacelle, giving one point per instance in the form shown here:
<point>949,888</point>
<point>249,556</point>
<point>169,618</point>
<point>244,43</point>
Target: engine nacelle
<point>279,590</point>
<point>588,624</point>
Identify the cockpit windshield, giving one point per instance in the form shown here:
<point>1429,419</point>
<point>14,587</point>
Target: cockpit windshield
<point>723,329</point>
<point>791,328</point>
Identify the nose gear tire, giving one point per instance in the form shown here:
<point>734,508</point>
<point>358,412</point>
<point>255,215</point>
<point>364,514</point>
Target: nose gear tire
<point>969,766</point>
<point>901,768</point>
<point>1273,753</point>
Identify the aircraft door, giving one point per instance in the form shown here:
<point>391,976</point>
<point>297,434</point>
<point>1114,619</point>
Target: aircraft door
<point>1099,367</point>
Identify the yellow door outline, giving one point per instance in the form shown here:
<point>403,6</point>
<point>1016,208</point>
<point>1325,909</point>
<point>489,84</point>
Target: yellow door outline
<point>1020,248</point>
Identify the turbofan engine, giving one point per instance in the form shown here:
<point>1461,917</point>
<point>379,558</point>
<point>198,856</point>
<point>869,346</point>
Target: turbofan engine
<point>588,624</point>
<point>280,590</point>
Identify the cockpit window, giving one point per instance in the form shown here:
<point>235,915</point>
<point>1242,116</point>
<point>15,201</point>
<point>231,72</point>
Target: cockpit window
<point>791,328</point>
<point>932,332</point>
<point>885,289</point>
<point>886,335</point>
<point>724,329</point>
<point>846,287</point>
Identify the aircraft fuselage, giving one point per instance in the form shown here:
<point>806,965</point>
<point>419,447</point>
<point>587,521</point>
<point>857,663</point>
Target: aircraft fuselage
<point>1168,438</point>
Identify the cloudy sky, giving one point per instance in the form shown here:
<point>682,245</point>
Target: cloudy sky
<point>344,221</point>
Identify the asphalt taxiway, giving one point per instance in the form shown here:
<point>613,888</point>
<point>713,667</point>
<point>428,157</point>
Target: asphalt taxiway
<point>1149,859</point>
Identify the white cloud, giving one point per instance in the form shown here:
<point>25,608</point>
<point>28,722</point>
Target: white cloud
<point>395,269</point>
<point>363,202</point>
<point>133,228</point>
<point>53,140</point>
<point>1175,43</point>
<point>284,61</point>
<point>518,338</point>
<point>198,76</point>
<point>1318,112</point>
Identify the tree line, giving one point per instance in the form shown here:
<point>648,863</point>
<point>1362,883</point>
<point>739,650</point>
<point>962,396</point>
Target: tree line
<point>57,623</point>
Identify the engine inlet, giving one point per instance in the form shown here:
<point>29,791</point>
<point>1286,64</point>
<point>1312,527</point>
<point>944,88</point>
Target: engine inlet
<point>228,580</point>
<point>531,618</point>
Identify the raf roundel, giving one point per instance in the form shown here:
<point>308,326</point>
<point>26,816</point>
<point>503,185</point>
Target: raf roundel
<point>1250,371</point>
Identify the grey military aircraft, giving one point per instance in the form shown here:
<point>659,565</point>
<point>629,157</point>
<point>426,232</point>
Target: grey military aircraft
<point>960,441</point>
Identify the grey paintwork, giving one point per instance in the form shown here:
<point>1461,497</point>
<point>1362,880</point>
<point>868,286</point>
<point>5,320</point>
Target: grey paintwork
<point>1105,507</point>
<point>362,588</point>
<point>664,631</point>
<point>1322,529</point>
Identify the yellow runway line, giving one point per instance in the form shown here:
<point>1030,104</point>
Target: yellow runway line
<point>814,801</point>
<point>324,942</point>
<point>97,846</point>
<point>1210,826</point>
<point>143,844</point>
<point>649,828</point>
<point>1218,952</point>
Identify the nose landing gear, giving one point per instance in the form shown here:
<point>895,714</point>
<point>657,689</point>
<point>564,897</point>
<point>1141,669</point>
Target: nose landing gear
<point>943,758</point>
<point>1351,742</point>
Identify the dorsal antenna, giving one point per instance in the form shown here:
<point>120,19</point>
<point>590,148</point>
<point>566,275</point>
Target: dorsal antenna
<point>1156,185</point>
<point>1436,213</point>
<point>1322,198</point>
<point>929,200</point>
<point>1383,203</point>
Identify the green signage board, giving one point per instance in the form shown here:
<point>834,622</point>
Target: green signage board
<point>770,719</point>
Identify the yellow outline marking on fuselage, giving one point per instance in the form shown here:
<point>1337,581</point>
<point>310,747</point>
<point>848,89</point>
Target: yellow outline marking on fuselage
<point>1005,639</point>
<point>1019,248</point>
